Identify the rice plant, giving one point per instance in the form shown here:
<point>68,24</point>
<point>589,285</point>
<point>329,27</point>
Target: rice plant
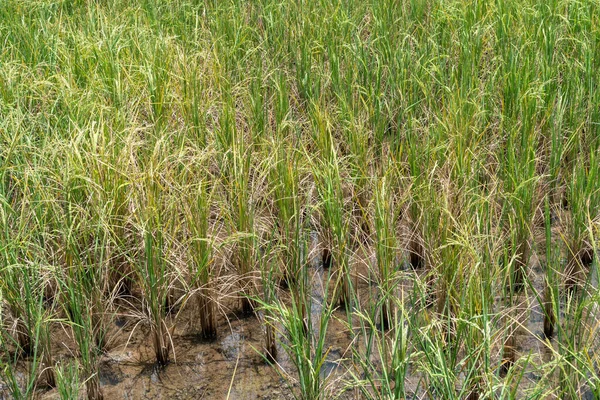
<point>336,226</point>
<point>305,335</point>
<point>386,247</point>
<point>152,270</point>
<point>584,200</point>
<point>392,350</point>
<point>287,197</point>
<point>426,169</point>
<point>67,380</point>
<point>201,265</point>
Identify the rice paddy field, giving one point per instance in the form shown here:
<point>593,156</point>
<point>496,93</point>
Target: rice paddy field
<point>279,199</point>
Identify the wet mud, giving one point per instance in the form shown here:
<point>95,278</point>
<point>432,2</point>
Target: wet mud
<point>233,366</point>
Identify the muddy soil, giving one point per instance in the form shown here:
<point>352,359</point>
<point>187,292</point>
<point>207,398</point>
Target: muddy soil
<point>233,366</point>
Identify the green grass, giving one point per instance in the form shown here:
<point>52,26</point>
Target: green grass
<point>161,158</point>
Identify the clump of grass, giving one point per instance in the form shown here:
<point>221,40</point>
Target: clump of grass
<point>39,372</point>
<point>67,380</point>
<point>416,247</point>
<point>286,192</point>
<point>236,174</point>
<point>153,273</point>
<point>80,282</point>
<point>269,297</point>
<point>392,350</point>
<point>28,335</point>
<point>305,335</point>
<point>385,246</point>
<point>519,165</point>
<point>201,266</point>
<point>584,198</point>
<point>359,168</point>
<point>26,317</point>
<point>336,226</point>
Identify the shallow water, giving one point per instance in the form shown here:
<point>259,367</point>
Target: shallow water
<point>232,365</point>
